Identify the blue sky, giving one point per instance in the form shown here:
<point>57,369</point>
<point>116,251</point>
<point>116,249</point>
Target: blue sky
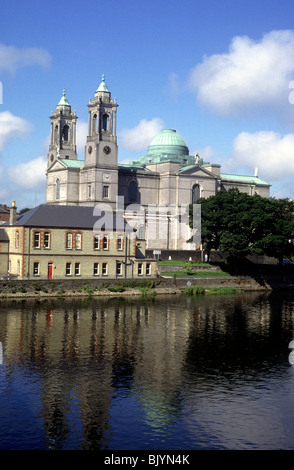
<point>219,73</point>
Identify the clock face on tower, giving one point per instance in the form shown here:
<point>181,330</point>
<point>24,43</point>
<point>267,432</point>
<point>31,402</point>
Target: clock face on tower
<point>107,150</point>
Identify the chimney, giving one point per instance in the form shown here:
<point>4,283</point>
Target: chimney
<point>12,217</point>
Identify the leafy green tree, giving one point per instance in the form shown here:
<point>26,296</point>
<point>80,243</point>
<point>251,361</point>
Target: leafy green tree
<point>240,224</point>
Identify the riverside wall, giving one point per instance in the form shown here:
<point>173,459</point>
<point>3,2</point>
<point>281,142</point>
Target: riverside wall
<point>170,285</point>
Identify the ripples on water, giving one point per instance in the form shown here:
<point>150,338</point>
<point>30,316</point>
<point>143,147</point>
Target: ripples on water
<point>166,373</point>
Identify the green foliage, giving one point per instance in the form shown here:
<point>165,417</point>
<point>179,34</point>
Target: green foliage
<point>199,290</point>
<point>147,291</point>
<point>194,290</point>
<point>87,290</point>
<point>116,289</point>
<point>223,290</point>
<point>240,224</point>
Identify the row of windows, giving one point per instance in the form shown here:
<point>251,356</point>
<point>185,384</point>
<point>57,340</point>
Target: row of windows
<point>105,191</point>
<point>72,241</point>
<point>133,192</point>
<point>75,268</point>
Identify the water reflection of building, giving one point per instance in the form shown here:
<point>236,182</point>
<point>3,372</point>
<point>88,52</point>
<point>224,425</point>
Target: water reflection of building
<point>87,356</point>
<point>84,357</point>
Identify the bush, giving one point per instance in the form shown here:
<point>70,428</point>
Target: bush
<point>194,290</point>
<point>116,289</point>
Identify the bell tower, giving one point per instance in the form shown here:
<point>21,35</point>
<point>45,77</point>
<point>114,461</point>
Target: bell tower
<point>99,175</point>
<point>63,132</point>
<point>101,147</point>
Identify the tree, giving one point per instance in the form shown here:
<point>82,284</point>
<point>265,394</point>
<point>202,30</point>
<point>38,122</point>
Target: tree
<point>240,224</point>
<point>22,211</point>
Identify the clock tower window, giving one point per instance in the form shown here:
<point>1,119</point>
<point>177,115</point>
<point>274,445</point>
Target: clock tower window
<point>105,191</point>
<point>105,120</point>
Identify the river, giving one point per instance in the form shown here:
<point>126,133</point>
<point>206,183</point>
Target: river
<point>170,372</point>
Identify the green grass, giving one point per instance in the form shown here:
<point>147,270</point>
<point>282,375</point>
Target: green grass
<point>147,291</point>
<point>199,290</point>
<point>195,274</point>
<point>194,290</point>
<point>223,290</point>
<point>116,289</point>
<point>181,263</point>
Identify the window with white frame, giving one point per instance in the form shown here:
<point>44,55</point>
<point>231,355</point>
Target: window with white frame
<point>96,242</point>
<point>105,242</point>
<point>104,269</point>
<point>96,269</point>
<point>148,269</point>
<point>47,240</point>
<point>69,241</point>
<point>36,239</point>
<point>77,269</point>
<point>118,268</point>
<point>120,240</point>
<point>140,269</point>
<point>68,269</point>
<point>16,239</point>
<point>78,241</point>
<point>36,268</point>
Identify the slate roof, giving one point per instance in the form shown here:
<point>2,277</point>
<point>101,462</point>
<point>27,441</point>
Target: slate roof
<point>71,217</point>
<point>3,236</point>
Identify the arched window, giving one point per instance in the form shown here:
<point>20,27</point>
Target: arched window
<point>65,130</point>
<point>195,193</point>
<point>104,122</point>
<point>94,124</point>
<point>141,233</point>
<point>133,191</point>
<point>57,194</point>
<point>56,138</point>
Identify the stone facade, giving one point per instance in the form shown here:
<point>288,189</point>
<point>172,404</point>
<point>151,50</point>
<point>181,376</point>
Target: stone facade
<point>51,250</point>
<point>160,184</point>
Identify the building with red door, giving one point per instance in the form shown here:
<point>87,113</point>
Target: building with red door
<point>59,242</point>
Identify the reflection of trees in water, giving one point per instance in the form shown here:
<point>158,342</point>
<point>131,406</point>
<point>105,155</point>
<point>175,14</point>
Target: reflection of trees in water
<point>242,337</point>
<point>89,354</point>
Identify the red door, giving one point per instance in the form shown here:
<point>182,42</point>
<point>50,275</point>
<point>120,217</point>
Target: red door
<point>50,270</point>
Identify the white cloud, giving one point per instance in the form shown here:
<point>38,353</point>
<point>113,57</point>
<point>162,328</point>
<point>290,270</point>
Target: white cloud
<point>250,75</point>
<point>140,136</point>
<point>271,152</point>
<point>12,57</point>
<point>206,153</point>
<point>12,127</point>
<point>82,132</point>
<point>28,175</point>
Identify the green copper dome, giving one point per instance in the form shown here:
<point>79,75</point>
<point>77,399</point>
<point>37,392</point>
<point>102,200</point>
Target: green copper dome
<point>168,142</point>
<point>168,146</point>
<point>102,86</point>
<point>63,101</point>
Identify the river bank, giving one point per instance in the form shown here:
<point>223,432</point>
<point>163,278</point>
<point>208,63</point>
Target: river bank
<point>161,286</point>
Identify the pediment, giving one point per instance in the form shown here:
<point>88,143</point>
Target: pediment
<point>198,171</point>
<point>56,165</point>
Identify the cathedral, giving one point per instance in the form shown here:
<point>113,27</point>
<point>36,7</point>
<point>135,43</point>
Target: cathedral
<point>157,187</point>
